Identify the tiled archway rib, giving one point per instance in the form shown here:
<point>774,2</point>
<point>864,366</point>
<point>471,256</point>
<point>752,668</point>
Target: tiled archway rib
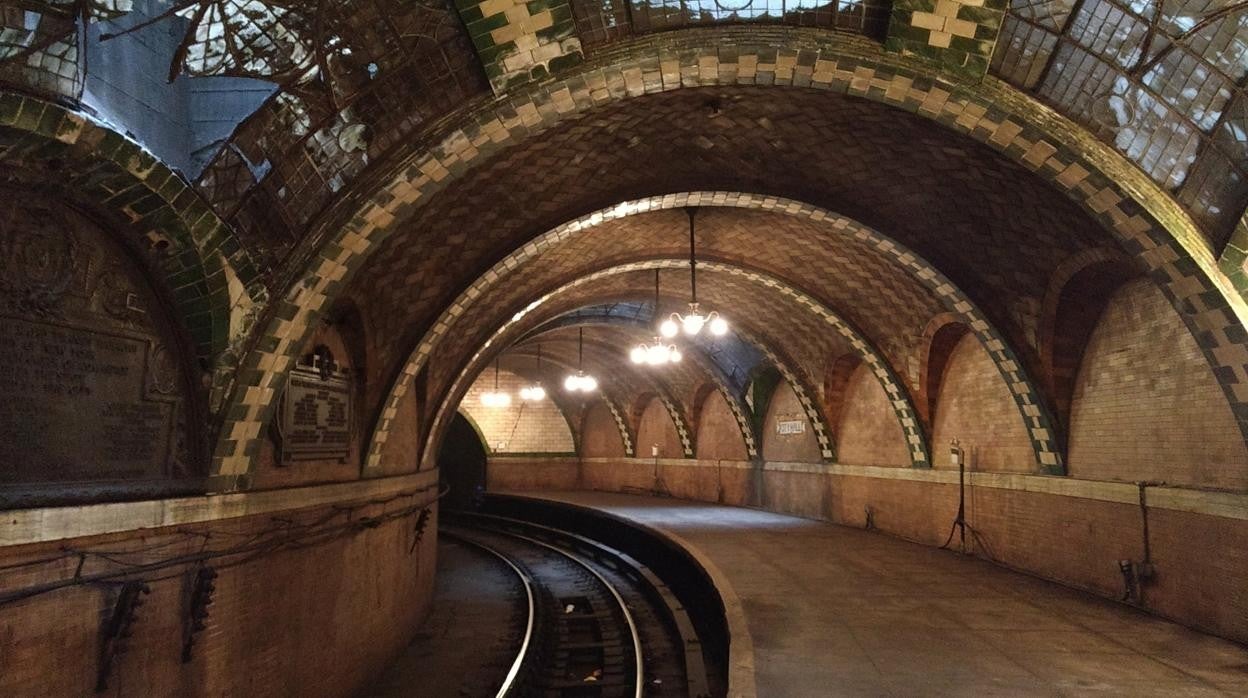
<point>1118,195</point>
<point>901,403</point>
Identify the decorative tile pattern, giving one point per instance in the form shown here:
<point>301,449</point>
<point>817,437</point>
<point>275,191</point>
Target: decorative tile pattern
<point>209,277</point>
<point>1149,224</point>
<point>625,435</point>
<point>520,41</point>
<point>960,35</point>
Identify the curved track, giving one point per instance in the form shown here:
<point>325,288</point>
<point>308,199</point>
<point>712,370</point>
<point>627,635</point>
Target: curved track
<point>599,624</point>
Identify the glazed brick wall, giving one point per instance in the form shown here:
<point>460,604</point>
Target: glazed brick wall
<point>321,620</point>
<point>718,434</point>
<point>868,432</point>
<point>632,475</point>
<point>788,448</point>
<point>975,407</point>
<point>1201,560</point>
<point>600,435</point>
<point>656,427</point>
<point>533,427</point>
<point>524,473</point>
<point>1146,406</point>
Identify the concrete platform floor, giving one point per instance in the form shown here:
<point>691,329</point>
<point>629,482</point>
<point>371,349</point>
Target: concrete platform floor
<point>835,611</point>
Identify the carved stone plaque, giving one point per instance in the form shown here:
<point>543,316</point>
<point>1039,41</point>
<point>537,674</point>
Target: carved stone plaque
<point>316,417</point>
<point>88,390</point>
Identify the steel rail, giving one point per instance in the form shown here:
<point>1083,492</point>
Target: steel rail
<point>639,675</point>
<point>527,582</point>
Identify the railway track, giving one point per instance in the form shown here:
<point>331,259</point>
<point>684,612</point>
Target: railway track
<point>598,623</point>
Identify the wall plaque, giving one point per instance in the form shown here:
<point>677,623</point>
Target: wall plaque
<point>88,389</point>
<point>316,416</point>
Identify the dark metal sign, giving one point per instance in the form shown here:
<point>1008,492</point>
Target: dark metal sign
<point>316,417</point>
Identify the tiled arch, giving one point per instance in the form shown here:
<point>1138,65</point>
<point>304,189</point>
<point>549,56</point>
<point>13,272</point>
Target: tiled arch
<point>899,397</point>
<point>626,435</point>
<point>708,367</point>
<point>659,387</point>
<point>200,257</point>
<point>1026,396</point>
<point>1118,195</point>
<point>642,402</point>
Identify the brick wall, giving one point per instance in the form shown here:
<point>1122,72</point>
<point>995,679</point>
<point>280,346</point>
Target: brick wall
<point>521,427</point>
<point>401,453</point>
<point>655,428</point>
<point>1146,407</point>
<point>600,435</point>
<point>318,620</point>
<point>718,434</point>
<point>868,432</point>
<point>975,407</point>
<point>785,407</point>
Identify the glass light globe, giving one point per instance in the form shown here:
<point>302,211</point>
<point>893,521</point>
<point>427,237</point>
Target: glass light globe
<point>638,354</point>
<point>653,357</point>
<point>669,328</point>
<point>495,399</point>
<point>719,326</point>
<point>693,323</point>
<point>572,383</point>
<point>589,384</point>
<point>537,393</point>
<point>675,356</point>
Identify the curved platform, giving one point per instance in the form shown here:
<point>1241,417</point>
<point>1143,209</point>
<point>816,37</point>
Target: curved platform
<point>836,611</point>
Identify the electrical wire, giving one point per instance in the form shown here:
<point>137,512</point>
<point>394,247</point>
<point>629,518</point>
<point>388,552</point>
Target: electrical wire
<point>290,536</point>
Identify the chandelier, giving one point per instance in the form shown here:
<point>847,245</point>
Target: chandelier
<point>535,392</point>
<point>580,383</point>
<point>495,397</point>
<point>693,322</point>
<point>660,352</point>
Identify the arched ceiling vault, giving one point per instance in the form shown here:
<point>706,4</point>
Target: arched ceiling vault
<point>1022,175</point>
<point>619,385</point>
<point>548,376</point>
<point>805,328</point>
<point>838,243</point>
<point>697,370</point>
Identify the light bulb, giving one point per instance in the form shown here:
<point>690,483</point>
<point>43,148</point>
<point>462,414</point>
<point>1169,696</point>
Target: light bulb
<point>537,393</point>
<point>675,356</point>
<point>524,393</point>
<point>495,399</point>
<point>669,328</point>
<point>572,383</point>
<point>638,354</point>
<point>693,323</point>
<point>589,384</point>
<point>719,326</point>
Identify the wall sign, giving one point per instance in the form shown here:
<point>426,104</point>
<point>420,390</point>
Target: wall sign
<point>790,424</point>
<point>316,416</point>
<point>89,389</point>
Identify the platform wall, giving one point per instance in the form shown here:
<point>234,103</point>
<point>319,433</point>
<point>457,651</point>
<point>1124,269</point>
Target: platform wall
<point>323,598</point>
<point>1068,530</point>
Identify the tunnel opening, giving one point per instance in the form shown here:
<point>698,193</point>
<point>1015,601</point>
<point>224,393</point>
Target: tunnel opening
<point>461,464</point>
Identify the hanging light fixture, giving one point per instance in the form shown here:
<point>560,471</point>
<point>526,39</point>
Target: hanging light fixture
<point>580,383</point>
<point>495,397</point>
<point>535,392</point>
<point>660,352</point>
<point>693,322</point>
